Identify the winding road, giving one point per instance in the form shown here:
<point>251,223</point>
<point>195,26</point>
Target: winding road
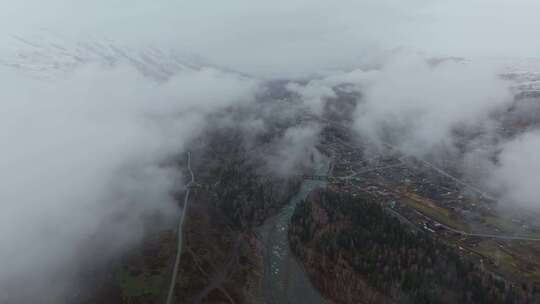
<point>455,179</point>
<point>485,235</point>
<point>461,232</point>
<point>179,232</point>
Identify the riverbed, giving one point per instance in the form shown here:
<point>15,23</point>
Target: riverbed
<point>284,279</point>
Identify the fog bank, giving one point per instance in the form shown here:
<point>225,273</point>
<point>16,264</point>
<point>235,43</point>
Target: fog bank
<point>89,157</point>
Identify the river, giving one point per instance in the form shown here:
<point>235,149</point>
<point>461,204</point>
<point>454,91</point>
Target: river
<point>284,279</point>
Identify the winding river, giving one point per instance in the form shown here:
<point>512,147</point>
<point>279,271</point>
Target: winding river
<point>285,280</point>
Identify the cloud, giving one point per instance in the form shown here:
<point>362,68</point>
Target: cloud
<point>123,88</point>
<point>86,158</point>
<point>313,95</point>
<point>417,106</point>
<point>287,38</point>
<point>515,176</point>
<point>294,151</point>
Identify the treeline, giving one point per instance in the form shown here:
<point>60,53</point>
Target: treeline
<point>408,267</point>
<point>248,198</point>
<point>244,189</point>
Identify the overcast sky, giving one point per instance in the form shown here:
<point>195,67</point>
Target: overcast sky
<point>81,147</point>
<point>291,37</point>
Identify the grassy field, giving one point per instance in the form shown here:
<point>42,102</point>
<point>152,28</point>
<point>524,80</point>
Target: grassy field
<point>144,278</point>
<point>508,259</point>
<point>518,260</point>
<point>506,225</point>
<point>149,285</point>
<point>432,210</point>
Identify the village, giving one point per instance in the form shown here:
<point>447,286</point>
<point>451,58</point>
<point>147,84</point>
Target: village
<point>433,200</point>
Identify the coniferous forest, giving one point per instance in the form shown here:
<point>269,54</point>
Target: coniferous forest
<point>406,266</point>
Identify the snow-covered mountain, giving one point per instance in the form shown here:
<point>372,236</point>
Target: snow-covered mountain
<point>46,57</point>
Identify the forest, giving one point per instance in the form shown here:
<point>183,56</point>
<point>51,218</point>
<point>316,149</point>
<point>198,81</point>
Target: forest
<point>410,267</point>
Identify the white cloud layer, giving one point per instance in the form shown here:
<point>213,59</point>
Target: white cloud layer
<point>83,146</point>
<point>89,154</point>
<point>284,37</point>
<point>516,175</point>
<point>416,106</point>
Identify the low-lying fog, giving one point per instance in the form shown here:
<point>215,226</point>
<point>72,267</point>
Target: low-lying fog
<point>100,97</point>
